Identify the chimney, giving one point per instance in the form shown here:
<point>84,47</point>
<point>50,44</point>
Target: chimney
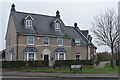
<point>89,39</point>
<point>12,7</point>
<point>57,14</point>
<point>75,25</point>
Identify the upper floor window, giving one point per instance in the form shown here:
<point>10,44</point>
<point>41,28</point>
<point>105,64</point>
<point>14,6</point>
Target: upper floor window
<point>77,41</point>
<point>30,40</point>
<point>57,26</point>
<point>28,22</point>
<point>60,41</point>
<point>45,41</point>
<point>77,56</point>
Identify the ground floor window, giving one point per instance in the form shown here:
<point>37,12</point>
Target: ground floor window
<point>30,56</point>
<point>11,57</point>
<point>60,56</point>
<point>77,56</point>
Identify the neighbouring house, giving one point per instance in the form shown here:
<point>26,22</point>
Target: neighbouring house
<point>32,36</point>
<point>2,55</point>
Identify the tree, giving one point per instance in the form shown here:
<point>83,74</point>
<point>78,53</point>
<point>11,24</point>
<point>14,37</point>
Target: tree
<point>106,28</point>
<point>104,56</point>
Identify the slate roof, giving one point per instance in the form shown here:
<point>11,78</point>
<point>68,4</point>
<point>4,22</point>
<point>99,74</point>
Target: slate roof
<point>60,50</point>
<point>30,49</point>
<point>42,25</point>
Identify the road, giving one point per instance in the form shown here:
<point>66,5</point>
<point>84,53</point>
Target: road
<point>46,78</point>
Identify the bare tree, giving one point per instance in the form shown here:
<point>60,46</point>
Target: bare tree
<point>106,28</point>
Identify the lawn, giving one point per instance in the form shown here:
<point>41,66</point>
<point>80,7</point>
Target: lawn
<point>106,69</point>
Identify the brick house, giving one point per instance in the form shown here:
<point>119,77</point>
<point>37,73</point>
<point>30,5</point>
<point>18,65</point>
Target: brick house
<point>41,37</point>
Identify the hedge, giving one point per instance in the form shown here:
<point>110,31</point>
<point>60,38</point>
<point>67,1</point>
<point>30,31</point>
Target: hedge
<point>66,63</point>
<point>33,64</point>
<point>24,64</point>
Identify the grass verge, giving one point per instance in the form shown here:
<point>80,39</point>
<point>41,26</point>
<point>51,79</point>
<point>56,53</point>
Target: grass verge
<point>84,70</point>
<point>106,69</point>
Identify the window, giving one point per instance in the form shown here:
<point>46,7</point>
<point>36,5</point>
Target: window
<point>60,41</point>
<point>30,56</point>
<point>77,41</point>
<point>46,41</point>
<point>60,56</point>
<point>28,22</point>
<point>77,56</point>
<point>11,57</point>
<point>30,40</point>
<point>57,26</point>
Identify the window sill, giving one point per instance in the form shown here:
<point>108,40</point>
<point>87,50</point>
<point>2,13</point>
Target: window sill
<point>60,45</point>
<point>46,45</point>
<point>30,44</point>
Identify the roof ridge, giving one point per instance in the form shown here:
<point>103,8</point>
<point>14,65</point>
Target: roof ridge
<point>34,14</point>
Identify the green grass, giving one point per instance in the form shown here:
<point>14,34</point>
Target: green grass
<point>85,70</point>
<point>106,69</point>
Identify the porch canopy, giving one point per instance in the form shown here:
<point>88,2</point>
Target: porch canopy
<point>12,50</point>
<point>30,49</point>
<point>60,50</point>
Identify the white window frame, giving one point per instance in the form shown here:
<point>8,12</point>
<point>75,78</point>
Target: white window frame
<point>47,41</point>
<point>60,40</point>
<point>32,41</point>
<point>57,26</point>
<point>28,22</point>
<point>57,56</point>
<point>76,57</point>
<point>26,56</point>
<point>77,42</point>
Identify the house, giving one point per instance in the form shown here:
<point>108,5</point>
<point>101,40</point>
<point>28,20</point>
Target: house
<point>2,55</point>
<point>32,36</point>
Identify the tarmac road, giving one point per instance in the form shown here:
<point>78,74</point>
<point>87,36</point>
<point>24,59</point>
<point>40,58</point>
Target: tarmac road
<point>46,78</point>
<point>56,76</point>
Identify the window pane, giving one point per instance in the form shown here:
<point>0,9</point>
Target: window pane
<point>30,40</point>
<point>61,56</point>
<point>77,56</point>
<point>46,41</point>
<point>77,42</point>
<point>60,41</point>
<point>31,56</point>
<point>28,22</point>
<point>57,26</point>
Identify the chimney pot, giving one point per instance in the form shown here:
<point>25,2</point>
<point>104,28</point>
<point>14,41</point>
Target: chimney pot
<point>12,7</point>
<point>57,14</point>
<point>75,25</point>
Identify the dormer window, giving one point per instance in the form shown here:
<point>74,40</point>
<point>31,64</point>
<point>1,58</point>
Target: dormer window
<point>28,22</point>
<point>77,42</point>
<point>57,26</point>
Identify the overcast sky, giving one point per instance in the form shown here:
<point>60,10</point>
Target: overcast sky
<point>81,12</point>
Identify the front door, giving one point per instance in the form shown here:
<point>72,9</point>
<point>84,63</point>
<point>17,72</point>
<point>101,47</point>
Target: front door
<point>46,57</point>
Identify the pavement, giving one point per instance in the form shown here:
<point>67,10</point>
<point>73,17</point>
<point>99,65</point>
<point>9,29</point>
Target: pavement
<point>63,75</point>
<point>101,65</point>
